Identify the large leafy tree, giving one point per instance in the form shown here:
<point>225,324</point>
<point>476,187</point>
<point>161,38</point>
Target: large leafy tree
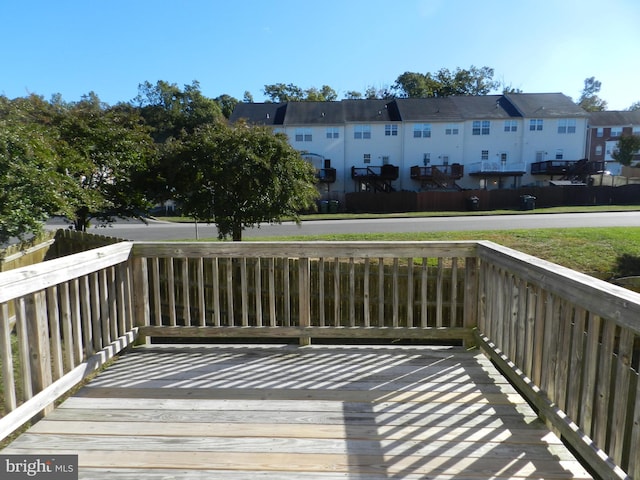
<point>32,186</point>
<point>445,83</point>
<point>589,100</point>
<point>108,152</point>
<point>280,92</point>
<point>240,176</point>
<point>628,146</point>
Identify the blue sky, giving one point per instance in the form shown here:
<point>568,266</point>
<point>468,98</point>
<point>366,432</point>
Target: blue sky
<point>73,47</point>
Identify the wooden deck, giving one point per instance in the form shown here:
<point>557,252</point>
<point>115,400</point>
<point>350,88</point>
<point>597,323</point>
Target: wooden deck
<point>275,412</point>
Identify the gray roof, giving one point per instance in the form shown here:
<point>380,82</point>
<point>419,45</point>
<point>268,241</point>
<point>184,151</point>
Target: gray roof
<point>319,113</point>
<point>428,109</point>
<point>545,105</point>
<point>614,118</point>
<point>259,113</point>
<point>448,109</point>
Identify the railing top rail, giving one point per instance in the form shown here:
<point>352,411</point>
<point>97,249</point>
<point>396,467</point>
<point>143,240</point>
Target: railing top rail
<point>33,278</point>
<point>597,296</point>
<point>313,249</point>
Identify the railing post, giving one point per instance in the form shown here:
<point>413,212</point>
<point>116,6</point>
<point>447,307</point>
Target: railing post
<point>304,296</point>
<point>471,297</point>
<point>141,311</point>
<point>39,350</point>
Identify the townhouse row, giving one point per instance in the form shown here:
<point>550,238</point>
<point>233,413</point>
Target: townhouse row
<point>493,141</point>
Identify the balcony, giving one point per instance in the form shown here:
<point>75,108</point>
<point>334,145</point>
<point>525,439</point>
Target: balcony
<point>376,178</point>
<point>497,168</point>
<point>326,175</point>
<point>567,342</point>
<point>438,176</point>
<point>567,168</point>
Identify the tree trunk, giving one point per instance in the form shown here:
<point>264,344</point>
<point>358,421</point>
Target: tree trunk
<point>236,235</point>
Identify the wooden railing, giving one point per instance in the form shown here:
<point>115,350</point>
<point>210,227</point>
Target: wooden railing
<point>72,314</point>
<point>570,343</point>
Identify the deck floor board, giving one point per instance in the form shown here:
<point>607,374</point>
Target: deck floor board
<point>283,412</point>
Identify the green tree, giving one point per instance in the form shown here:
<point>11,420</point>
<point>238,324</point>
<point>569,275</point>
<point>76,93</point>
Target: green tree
<point>280,93</point>
<point>32,184</point>
<point>589,100</point>
<point>634,106</point>
<point>628,146</point>
<point>445,83</point>
<point>226,103</point>
<point>169,110</point>
<point>240,176</point>
<point>107,152</point>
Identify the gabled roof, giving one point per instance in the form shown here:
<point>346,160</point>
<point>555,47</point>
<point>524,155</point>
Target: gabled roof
<point>259,113</point>
<point>428,110</point>
<point>318,113</point>
<point>545,105</point>
<point>370,111</point>
<point>614,118</point>
<point>484,106</point>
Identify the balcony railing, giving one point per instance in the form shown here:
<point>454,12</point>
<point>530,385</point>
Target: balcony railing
<point>381,172</point>
<point>454,171</point>
<point>569,342</point>
<point>567,167</point>
<point>487,167</point>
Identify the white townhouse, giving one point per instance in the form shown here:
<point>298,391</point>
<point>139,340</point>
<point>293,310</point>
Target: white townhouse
<point>492,141</point>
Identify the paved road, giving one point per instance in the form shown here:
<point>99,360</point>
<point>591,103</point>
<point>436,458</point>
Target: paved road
<point>170,231</point>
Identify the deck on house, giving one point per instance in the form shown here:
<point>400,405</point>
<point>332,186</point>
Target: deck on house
<point>278,412</point>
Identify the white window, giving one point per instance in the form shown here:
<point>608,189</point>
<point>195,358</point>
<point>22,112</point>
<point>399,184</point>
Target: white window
<point>535,125</point>
<point>599,150</point>
<point>426,159</point>
<point>445,160</point>
<point>391,130</point>
<point>510,125</point>
<point>559,154</point>
<point>303,135</point>
<point>422,130</point>
<point>567,125</point>
<point>452,129</point>
<point>333,132</point>
<point>481,127</point>
<point>362,132</point>
<point>367,158</point>
<point>616,131</point>
<point>600,132</point>
<point>540,156</point>
<point>484,155</point>
<point>503,157</point>
<point>385,160</point>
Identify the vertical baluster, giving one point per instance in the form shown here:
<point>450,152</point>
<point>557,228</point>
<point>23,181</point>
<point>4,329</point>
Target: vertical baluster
<point>381,322</point>
<point>352,292</point>
<point>244,292</point>
<point>67,335</point>
<point>258,290</point>
<point>576,365</point>
<point>272,293</point>
<point>215,283</point>
<point>6,349</point>
<point>23,348</point>
<point>186,295</point>
<point>321,293</point>
<point>410,292</point>
<point>601,414</point>
<point>396,293</point>
<point>76,318</point>
<point>171,292</point>
<point>304,295</point>
<point>336,292</point>
<point>104,307</point>
<point>85,313</point>
<point>155,285</point>
<point>439,292</point>
<point>39,348</point>
<point>454,293</point>
<point>366,307</point>
<point>96,319</point>
<point>424,292</point>
<point>229,277</point>
<point>621,396</point>
<point>54,333</point>
<point>634,441</point>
